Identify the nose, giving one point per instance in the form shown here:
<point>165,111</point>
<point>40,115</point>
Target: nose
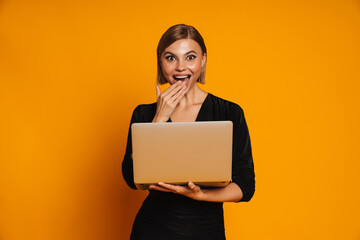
<point>180,66</point>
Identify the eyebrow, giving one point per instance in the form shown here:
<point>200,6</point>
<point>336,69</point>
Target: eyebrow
<point>192,51</point>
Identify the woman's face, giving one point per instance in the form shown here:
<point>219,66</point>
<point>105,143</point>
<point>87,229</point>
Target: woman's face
<point>182,61</point>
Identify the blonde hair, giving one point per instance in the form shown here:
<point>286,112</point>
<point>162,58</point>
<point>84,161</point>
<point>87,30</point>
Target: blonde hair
<point>174,33</point>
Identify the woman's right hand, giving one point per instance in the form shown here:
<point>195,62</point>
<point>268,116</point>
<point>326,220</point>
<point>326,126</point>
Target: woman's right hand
<point>168,100</point>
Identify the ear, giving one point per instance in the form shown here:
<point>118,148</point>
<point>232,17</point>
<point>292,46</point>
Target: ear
<point>203,61</point>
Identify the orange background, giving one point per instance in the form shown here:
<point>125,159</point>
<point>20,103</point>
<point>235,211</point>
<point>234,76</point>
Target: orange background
<point>72,72</point>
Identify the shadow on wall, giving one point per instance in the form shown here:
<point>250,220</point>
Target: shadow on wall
<point>110,211</point>
<point>130,203</point>
<point>107,206</point>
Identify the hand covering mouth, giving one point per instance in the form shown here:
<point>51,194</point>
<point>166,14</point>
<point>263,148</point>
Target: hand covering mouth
<point>181,77</point>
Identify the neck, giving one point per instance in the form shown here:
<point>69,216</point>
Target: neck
<point>195,95</point>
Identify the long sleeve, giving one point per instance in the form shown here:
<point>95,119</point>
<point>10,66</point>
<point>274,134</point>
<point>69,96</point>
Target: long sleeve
<point>243,167</point>
<point>127,164</point>
<point>142,113</point>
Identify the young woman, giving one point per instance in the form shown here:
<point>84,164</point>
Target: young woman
<point>189,212</point>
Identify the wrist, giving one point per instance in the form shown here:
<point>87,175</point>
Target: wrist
<point>158,119</point>
<point>203,195</point>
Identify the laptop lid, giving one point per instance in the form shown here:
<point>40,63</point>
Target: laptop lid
<point>180,152</point>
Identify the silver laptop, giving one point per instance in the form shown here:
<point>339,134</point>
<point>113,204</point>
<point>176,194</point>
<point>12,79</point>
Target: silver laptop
<point>180,152</point>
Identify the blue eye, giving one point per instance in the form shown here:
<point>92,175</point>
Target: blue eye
<point>170,58</point>
<point>191,57</point>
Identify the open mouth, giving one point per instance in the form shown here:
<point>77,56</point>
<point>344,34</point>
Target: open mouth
<point>182,77</point>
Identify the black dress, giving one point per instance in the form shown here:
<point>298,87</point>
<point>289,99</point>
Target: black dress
<point>171,216</point>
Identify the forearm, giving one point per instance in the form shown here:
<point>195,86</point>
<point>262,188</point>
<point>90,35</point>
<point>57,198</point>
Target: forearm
<point>230,193</point>
<point>127,171</point>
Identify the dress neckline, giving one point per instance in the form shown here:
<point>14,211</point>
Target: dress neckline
<point>201,108</point>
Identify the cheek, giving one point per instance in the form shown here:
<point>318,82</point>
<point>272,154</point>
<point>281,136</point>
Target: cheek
<point>167,68</point>
<point>195,67</point>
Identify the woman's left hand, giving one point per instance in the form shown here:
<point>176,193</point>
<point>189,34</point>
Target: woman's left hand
<point>191,190</point>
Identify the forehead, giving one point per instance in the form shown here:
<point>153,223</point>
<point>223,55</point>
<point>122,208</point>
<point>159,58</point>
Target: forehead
<point>184,46</point>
